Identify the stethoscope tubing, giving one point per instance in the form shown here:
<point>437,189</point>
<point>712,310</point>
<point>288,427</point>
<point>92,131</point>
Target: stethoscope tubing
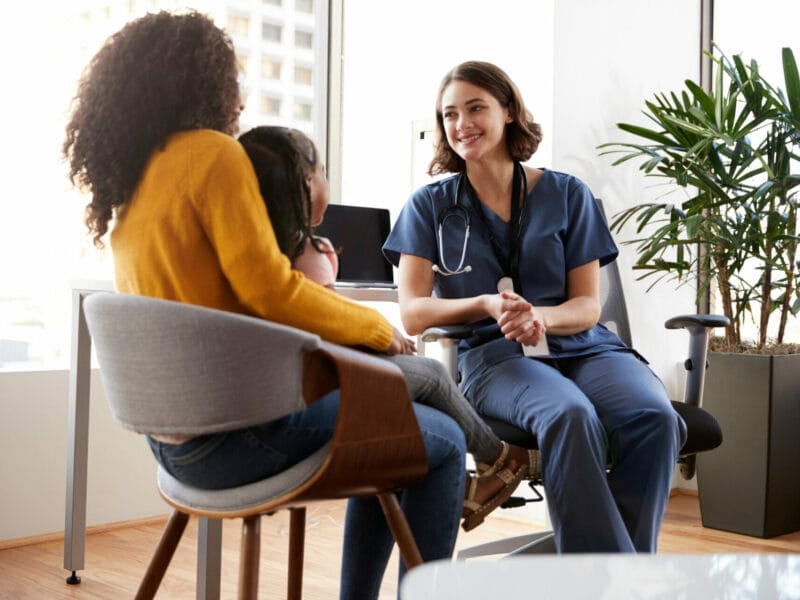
<point>451,211</point>
<point>461,211</point>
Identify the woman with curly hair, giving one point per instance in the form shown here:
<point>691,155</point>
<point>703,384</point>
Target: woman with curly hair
<point>151,140</point>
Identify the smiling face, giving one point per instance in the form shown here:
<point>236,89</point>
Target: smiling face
<point>474,122</point>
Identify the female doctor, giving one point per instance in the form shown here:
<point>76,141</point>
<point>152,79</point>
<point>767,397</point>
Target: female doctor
<point>516,251</point>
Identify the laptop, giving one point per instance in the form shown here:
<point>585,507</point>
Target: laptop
<point>358,234</point>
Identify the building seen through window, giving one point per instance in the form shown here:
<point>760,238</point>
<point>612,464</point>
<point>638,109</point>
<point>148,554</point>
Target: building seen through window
<point>303,75</point>
<point>271,68</point>
<point>271,32</point>
<point>42,236</point>
<point>303,39</point>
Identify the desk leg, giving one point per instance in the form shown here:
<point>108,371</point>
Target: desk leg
<point>77,441</point>
<point>209,558</point>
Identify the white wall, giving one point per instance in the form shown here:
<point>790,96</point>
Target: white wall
<point>395,55</point>
<point>33,442</point>
<point>614,56</point>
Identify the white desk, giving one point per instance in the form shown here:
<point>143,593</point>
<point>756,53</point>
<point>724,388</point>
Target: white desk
<point>610,577</point>
<point>210,534</point>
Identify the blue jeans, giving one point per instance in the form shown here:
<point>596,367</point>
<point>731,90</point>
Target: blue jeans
<point>588,412</point>
<point>433,507</point>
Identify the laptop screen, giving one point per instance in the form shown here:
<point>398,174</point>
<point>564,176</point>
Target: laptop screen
<point>358,234</point>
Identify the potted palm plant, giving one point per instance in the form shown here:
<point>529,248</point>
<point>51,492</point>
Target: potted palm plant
<point>733,156</point>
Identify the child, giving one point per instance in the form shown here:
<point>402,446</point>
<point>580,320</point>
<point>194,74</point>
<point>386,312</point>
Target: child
<point>295,190</point>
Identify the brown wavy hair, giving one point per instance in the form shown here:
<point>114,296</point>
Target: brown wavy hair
<point>283,158</point>
<point>523,134</point>
<point>159,74</point>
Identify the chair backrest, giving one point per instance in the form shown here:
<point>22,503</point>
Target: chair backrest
<point>614,311</point>
<point>174,368</point>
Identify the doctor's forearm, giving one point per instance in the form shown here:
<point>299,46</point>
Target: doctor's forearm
<point>420,313</point>
<point>573,316</point>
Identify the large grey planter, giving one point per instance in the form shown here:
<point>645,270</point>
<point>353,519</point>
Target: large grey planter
<point>751,483</point>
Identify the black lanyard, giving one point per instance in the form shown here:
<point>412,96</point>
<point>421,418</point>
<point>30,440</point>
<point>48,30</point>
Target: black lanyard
<point>508,262</point>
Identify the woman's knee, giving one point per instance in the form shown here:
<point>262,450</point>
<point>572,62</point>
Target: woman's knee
<point>669,423</point>
<point>576,415</point>
<point>660,427</point>
<point>442,435</point>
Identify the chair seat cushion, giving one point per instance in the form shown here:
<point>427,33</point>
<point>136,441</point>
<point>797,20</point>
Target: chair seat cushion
<point>704,430</point>
<point>244,497</point>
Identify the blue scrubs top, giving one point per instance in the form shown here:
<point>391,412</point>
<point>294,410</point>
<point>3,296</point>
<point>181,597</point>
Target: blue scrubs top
<point>562,228</point>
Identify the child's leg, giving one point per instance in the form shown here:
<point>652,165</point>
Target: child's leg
<point>429,383</point>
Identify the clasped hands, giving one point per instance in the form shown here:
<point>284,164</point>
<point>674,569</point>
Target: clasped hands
<point>518,319</point>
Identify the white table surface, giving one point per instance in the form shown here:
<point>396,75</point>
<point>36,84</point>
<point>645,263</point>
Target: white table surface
<point>609,577</point>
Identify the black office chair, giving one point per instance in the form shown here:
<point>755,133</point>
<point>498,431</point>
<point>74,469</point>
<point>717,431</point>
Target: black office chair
<point>704,432</point>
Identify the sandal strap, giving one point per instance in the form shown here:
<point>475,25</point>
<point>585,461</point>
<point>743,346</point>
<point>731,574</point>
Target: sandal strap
<point>534,465</point>
<point>470,502</point>
<point>508,476</point>
<point>498,464</point>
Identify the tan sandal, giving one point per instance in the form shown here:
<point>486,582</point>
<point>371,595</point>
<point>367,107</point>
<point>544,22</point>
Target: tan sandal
<point>534,464</point>
<point>474,512</point>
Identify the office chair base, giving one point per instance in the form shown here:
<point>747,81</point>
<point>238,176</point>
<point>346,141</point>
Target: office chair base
<point>542,542</point>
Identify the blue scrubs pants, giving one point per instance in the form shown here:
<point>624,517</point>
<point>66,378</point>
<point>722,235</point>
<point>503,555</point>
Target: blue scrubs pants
<point>587,413</point>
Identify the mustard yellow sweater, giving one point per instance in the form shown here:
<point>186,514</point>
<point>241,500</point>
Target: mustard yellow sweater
<point>196,230</point>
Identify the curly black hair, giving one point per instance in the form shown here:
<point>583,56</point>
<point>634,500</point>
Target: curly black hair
<point>523,134</point>
<point>283,158</point>
<point>162,73</point>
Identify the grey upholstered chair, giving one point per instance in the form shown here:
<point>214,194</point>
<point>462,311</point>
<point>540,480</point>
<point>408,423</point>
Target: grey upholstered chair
<point>703,429</point>
<point>172,368</point>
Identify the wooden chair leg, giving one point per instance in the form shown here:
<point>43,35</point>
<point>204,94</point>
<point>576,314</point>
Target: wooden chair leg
<point>163,555</point>
<point>249,558</point>
<point>400,530</point>
<point>297,536</point>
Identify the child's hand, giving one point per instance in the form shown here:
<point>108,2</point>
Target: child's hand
<point>400,344</point>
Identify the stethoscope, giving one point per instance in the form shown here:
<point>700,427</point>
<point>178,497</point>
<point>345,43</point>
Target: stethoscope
<point>457,211</point>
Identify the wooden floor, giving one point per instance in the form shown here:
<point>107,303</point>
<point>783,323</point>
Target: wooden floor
<point>116,559</point>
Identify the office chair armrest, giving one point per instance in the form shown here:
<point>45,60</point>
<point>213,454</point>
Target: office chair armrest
<point>698,327</point>
<point>448,336</point>
<point>705,433</point>
<point>446,332</point>
<point>706,321</point>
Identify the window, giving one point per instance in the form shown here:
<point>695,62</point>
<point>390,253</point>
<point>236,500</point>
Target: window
<point>270,106</point>
<point>303,75</point>
<point>303,39</point>
<point>45,234</point>
<point>238,25</point>
<point>271,32</point>
<point>304,6</point>
<point>242,59</point>
<point>271,68</point>
<point>302,110</point>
